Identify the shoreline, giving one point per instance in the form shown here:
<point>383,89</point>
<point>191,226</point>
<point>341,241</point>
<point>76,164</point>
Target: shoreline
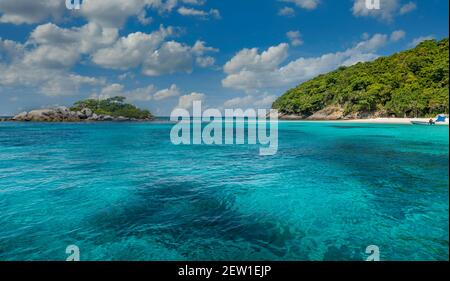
<point>400,121</point>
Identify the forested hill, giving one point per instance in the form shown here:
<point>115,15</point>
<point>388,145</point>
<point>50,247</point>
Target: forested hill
<point>412,83</point>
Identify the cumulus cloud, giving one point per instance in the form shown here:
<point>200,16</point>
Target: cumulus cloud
<point>143,18</point>
<point>387,12</point>
<point>251,60</point>
<point>50,82</point>
<point>205,61</point>
<point>170,58</point>
<point>153,54</point>
<point>44,62</point>
<point>147,93</point>
<point>111,13</point>
<point>57,47</point>
<point>286,12</point>
<point>213,13</point>
<point>45,72</point>
<point>407,8</point>
<point>200,48</point>
<point>250,70</point>
<point>304,4</point>
<point>29,12</point>
<point>186,101</point>
<point>10,50</point>
<point>170,92</point>
<point>295,38</point>
<point>114,13</point>
<point>252,101</point>
<point>397,35</point>
<point>130,51</point>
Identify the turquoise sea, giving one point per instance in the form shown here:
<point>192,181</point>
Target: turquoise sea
<point>123,191</point>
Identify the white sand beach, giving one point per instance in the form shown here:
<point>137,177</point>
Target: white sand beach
<point>376,121</point>
<point>395,121</point>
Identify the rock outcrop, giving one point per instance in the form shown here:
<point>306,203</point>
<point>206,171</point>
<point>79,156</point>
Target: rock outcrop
<point>63,114</point>
<point>331,112</point>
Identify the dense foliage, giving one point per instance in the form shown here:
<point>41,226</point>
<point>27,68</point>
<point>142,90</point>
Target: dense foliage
<point>413,83</point>
<point>115,107</point>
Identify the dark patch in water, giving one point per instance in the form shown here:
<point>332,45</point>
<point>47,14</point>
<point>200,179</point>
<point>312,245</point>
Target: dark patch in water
<point>388,172</point>
<point>183,213</point>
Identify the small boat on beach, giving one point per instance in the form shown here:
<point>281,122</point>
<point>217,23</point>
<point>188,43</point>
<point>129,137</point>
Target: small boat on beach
<point>425,123</point>
<point>439,120</point>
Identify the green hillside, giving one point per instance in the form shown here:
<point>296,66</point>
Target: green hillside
<point>114,107</point>
<point>412,83</point>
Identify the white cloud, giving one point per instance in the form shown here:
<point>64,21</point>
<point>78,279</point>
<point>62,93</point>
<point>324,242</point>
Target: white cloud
<point>62,47</point>
<point>200,48</point>
<point>250,70</point>
<point>251,60</point>
<point>295,38</point>
<point>409,7</point>
<point>50,82</point>
<point>304,4</point>
<point>250,101</point>
<point>29,12</point>
<point>42,69</point>
<point>138,94</point>
<point>213,13</point>
<point>205,61</point>
<point>130,51</point>
<point>186,101</point>
<point>418,40</point>
<point>153,54</point>
<point>194,2</point>
<point>397,35</point>
<point>387,10</point>
<point>172,91</point>
<point>286,12</point>
<point>114,13</point>
<point>112,90</point>
<point>10,50</point>
<point>111,13</point>
<point>143,18</point>
<point>48,56</point>
<point>170,58</point>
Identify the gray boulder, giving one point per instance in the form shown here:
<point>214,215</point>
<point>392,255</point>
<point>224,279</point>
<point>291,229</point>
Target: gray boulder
<point>21,116</point>
<point>331,112</point>
<point>87,112</point>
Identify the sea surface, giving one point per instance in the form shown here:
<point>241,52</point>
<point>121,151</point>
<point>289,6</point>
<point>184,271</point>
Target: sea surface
<point>123,191</point>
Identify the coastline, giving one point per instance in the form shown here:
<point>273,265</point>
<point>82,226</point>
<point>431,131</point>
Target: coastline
<point>400,121</point>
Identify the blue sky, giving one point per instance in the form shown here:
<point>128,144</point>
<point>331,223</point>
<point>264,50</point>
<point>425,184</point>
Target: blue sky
<point>163,54</point>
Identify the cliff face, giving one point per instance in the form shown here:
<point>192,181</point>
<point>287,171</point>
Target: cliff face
<point>413,83</point>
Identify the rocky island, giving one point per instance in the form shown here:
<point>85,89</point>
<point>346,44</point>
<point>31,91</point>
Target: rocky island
<point>410,84</point>
<point>111,109</point>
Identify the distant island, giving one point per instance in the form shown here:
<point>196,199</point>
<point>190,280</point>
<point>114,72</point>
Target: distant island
<point>412,83</point>
<point>111,109</point>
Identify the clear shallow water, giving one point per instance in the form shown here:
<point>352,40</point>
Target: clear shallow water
<point>122,191</point>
